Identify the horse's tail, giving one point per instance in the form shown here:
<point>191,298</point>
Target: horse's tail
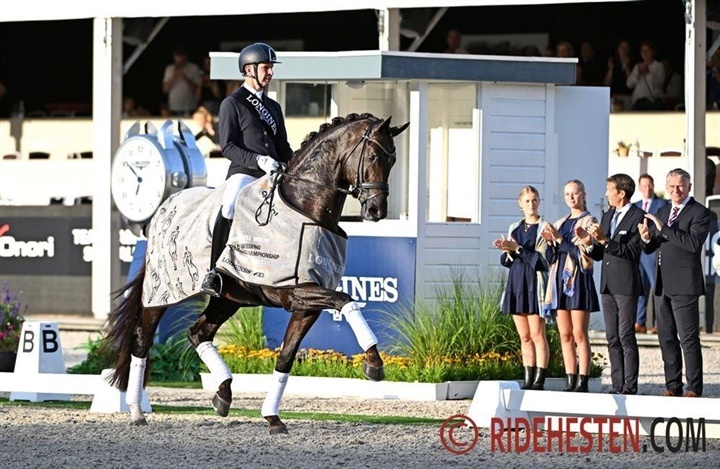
<point>119,333</point>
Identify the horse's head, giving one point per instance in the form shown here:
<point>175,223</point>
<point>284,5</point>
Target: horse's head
<point>368,163</point>
<point>353,156</point>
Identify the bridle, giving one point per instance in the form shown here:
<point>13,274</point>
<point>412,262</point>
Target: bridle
<point>361,188</point>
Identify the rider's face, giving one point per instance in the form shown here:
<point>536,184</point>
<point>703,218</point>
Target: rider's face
<point>265,73</point>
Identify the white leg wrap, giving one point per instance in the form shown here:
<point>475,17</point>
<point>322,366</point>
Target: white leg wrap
<point>271,405</point>
<point>133,396</point>
<point>364,335</point>
<point>217,366</point>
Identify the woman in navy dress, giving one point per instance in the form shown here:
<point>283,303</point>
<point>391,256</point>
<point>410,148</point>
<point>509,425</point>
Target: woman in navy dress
<point>571,289</point>
<point>524,254</point>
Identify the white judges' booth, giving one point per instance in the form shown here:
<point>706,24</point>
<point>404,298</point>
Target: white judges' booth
<point>481,128</point>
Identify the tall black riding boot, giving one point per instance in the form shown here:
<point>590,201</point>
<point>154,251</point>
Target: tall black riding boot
<point>570,383</point>
<point>582,384</point>
<point>529,376</point>
<point>212,283</point>
<point>539,383</point>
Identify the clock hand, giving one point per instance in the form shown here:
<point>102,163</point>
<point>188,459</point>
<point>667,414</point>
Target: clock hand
<point>131,169</point>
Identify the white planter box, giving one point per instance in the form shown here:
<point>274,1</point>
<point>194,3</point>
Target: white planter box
<point>350,387</point>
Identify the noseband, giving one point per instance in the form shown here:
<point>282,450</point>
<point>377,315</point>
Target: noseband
<point>361,187</point>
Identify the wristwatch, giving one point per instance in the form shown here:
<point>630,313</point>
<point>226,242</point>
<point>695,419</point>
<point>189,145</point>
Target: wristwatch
<point>518,250</point>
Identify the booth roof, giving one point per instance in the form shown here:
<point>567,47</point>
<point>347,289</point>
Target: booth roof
<point>40,10</point>
<point>384,65</point>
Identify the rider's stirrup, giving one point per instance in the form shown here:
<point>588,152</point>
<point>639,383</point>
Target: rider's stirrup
<point>212,284</point>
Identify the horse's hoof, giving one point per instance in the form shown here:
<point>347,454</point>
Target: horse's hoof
<point>221,406</point>
<point>138,422</point>
<point>279,430</point>
<point>373,373</point>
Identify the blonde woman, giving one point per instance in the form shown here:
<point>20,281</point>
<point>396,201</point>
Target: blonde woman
<point>524,252</point>
<point>571,289</point>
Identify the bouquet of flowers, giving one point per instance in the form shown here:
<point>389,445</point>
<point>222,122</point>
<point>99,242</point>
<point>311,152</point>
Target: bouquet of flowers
<point>11,319</point>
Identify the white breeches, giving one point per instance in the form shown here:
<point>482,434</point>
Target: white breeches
<point>232,188</point>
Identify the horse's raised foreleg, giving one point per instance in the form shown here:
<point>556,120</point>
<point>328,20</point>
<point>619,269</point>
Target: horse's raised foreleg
<point>144,335</point>
<point>315,297</point>
<point>300,323</point>
<point>201,335</point>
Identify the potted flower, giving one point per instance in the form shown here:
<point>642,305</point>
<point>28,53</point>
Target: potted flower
<point>623,148</point>
<point>11,321</point>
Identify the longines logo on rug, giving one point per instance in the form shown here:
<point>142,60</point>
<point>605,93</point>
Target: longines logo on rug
<point>11,247</point>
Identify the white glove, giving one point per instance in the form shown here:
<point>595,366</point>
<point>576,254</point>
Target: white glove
<point>267,164</point>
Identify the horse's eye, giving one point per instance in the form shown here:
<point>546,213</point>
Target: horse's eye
<point>373,158</point>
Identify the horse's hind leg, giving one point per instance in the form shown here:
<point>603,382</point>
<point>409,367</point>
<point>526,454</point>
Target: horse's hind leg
<point>201,335</point>
<point>144,336</point>
<point>300,323</point>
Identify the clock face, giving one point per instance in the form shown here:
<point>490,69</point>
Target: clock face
<point>139,179</point>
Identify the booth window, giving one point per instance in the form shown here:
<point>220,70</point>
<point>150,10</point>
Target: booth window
<point>452,175</point>
<point>307,99</point>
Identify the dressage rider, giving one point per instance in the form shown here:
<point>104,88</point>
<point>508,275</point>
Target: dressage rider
<point>253,137</point>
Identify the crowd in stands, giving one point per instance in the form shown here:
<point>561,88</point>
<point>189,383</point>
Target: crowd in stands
<point>639,76</point>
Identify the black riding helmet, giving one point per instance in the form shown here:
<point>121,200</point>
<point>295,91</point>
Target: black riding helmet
<point>255,54</point>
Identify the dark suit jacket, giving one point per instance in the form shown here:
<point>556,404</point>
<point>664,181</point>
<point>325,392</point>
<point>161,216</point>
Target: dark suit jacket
<point>620,257</point>
<point>679,269</point>
<point>243,135</point>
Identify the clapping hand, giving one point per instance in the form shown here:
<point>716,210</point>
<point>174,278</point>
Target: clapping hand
<point>550,233</point>
<point>658,224</point>
<point>595,231</point>
<point>644,230</point>
<point>583,235</point>
<point>506,244</point>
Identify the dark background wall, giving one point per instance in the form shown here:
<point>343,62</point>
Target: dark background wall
<point>51,61</point>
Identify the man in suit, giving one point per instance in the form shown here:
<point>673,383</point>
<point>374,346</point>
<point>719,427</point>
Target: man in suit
<point>678,235</point>
<point>617,244</point>
<point>650,204</point>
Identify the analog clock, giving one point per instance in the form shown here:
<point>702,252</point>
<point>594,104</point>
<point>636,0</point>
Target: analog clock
<point>149,167</point>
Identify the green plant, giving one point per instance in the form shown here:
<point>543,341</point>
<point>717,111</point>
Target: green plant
<point>174,360</point>
<point>244,329</point>
<point>11,320</point>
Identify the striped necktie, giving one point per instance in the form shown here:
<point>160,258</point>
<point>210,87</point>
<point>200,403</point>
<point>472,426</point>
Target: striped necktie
<point>673,215</point>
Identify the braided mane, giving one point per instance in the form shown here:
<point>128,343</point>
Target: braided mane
<point>336,122</point>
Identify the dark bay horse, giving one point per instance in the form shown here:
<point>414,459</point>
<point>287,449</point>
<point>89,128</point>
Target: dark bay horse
<point>350,156</point>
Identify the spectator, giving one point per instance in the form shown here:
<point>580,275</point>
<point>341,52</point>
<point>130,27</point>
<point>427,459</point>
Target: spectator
<point>210,92</point>
<point>713,81</point>
<point>453,41</point>
<point>673,87</point>
<point>619,67</point>
<point>131,109</point>
<point>180,82</point>
<point>618,248</point>
<point>649,203</point>
<point>678,233</point>
<point>646,80</point>
<point>524,254</point>
<point>565,50</point>
<point>592,72</point>
<point>208,128</point>
<point>571,288</point>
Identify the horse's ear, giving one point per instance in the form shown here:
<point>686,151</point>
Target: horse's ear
<point>385,125</point>
<point>394,131</point>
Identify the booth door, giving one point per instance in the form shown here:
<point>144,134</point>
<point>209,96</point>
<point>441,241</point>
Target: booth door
<point>582,128</point>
